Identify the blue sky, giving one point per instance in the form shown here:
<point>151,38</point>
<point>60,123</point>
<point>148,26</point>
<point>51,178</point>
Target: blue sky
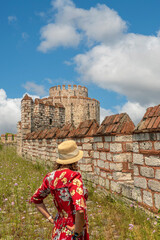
<point>112,47</point>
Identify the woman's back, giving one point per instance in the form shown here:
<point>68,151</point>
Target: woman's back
<point>69,196</point>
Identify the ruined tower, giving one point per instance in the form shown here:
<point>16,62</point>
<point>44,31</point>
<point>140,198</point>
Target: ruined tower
<point>78,106</point>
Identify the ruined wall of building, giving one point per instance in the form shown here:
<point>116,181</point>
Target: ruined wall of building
<point>117,157</point>
<point>79,107</point>
<point>8,138</point>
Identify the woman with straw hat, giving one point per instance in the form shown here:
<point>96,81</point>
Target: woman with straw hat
<point>69,195</point>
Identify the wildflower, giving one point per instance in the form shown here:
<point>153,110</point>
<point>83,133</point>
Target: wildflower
<point>5,199</point>
<point>131,205</point>
<point>23,217</point>
<point>16,184</point>
<point>12,203</point>
<point>21,197</point>
<point>131,226</point>
<point>148,219</point>
<point>155,223</point>
<point>0,209</point>
<point>154,231</point>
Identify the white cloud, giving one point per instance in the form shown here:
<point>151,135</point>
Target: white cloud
<point>104,113</point>
<point>12,19</point>
<point>54,35</point>
<point>35,88</point>
<point>71,25</point>
<point>134,110</point>
<point>129,67</point>
<point>126,63</point>
<point>10,112</point>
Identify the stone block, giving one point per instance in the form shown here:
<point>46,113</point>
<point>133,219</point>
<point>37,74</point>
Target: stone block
<point>158,136</point>
<point>85,161</point>
<point>101,181</point>
<point>115,147</point>
<point>147,198</point>
<point>97,170</point>
<point>95,146</point>
<point>89,168</point>
<point>157,174</point>
<point>103,174</point>
<point>96,179</point>
<point>147,172</point>
<point>135,147</point>
<point>87,146</point>
<point>106,145</point>
<point>122,157</point>
<point>157,145</point>
<point>99,145</point>
<point>152,161</point>
<point>85,154</point>
<point>96,155</point>
<point>97,139</point>
<point>140,182</point>
<point>127,189</point>
<point>115,187</point>
<point>145,145</point>
<point>136,171</point>
<point>129,147</point>
<point>100,163</point>
<point>94,162</point>
<point>130,165</point>
<point>90,176</point>
<point>136,194</point>
<point>141,137</point>
<point>157,200</point>
<point>107,139</point>
<point>122,176</point>
<point>86,140</point>
<point>154,185</point>
<point>109,156</point>
<point>107,183</point>
<point>116,166</point>
<point>103,156</point>
<point>123,138</point>
<point>138,159</point>
<point>106,165</point>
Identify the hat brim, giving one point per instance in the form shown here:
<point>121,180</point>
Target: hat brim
<point>71,160</point>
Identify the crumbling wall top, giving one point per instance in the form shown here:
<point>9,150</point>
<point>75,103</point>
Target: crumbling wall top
<point>116,124</point>
<point>150,121</point>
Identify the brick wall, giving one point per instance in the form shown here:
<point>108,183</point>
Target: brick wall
<point>9,138</point>
<point>117,156</point>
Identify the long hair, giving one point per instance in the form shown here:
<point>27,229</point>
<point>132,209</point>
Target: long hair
<point>72,166</point>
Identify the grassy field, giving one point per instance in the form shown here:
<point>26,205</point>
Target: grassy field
<point>108,218</point>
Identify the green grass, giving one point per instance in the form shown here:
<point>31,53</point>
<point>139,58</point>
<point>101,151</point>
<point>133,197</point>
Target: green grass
<point>108,218</point>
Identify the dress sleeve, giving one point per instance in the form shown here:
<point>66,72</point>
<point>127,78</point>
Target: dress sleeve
<point>77,192</point>
<point>42,192</point>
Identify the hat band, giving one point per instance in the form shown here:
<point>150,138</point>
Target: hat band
<point>69,155</point>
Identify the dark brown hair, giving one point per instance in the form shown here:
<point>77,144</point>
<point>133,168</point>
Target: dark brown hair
<point>72,166</point>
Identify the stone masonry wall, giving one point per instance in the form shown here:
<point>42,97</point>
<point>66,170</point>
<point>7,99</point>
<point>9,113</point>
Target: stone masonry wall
<point>9,138</point>
<point>78,106</point>
<point>117,157</point>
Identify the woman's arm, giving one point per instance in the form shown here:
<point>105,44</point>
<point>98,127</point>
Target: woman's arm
<point>79,221</point>
<point>42,209</point>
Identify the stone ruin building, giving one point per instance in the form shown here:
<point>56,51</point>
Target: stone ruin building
<point>119,157</point>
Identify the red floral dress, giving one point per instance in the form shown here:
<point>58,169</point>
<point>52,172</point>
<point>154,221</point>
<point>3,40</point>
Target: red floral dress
<point>69,195</point>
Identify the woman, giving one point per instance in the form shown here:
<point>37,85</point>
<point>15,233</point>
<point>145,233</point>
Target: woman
<point>69,195</point>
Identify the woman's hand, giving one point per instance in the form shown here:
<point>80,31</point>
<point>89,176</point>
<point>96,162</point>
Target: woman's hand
<point>71,228</point>
<point>51,220</point>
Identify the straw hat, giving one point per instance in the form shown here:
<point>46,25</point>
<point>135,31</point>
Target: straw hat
<point>69,152</point>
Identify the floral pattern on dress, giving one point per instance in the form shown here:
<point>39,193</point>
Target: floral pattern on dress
<point>69,195</point>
